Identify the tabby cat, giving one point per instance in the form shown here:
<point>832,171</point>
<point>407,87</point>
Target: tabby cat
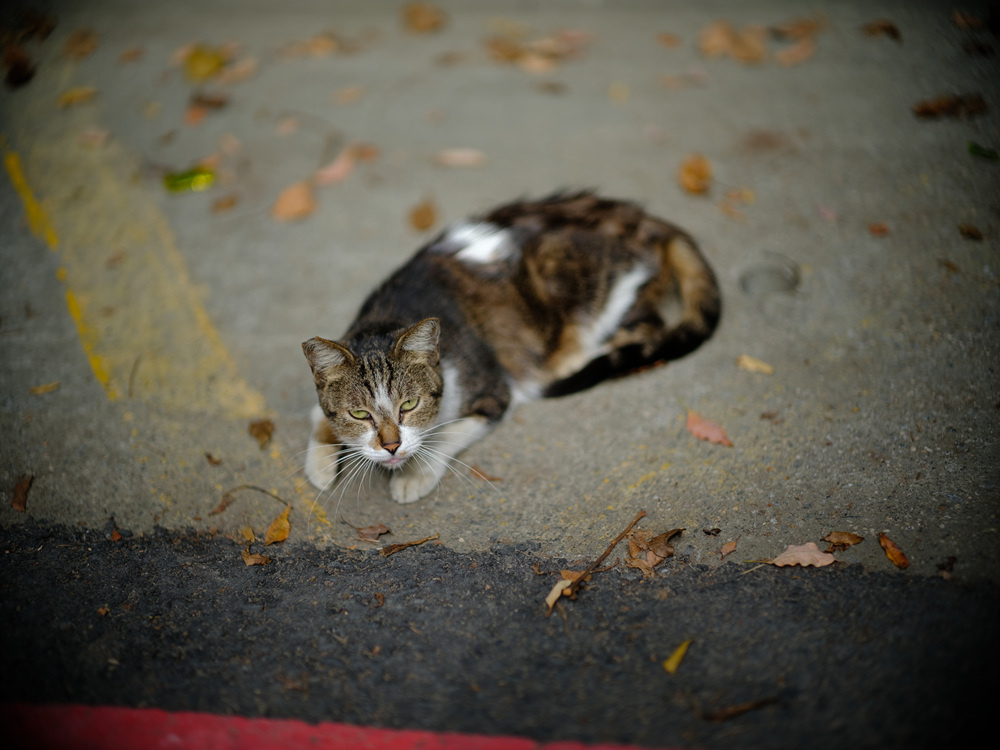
<point>533,299</point>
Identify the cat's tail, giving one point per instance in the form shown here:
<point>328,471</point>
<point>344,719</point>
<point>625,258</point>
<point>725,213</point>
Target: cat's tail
<point>684,269</point>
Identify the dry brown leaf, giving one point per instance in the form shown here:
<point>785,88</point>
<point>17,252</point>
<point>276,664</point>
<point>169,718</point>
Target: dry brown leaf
<point>970,232</point>
<point>81,43</point>
<point>262,430</point>
<point>295,202</point>
<point>349,95</point>
<point>225,203</point>
<point>752,364</point>
<point>372,533</point>
<point>104,611</point>
<point>800,28</point>
<point>19,498</point>
<point>195,114</point>
<point>255,558</point>
<point>422,18</point>
<point>76,96</point>
<point>131,54</point>
<point>338,170</point>
<point>893,552</point>
<point>882,27</point>
<point>423,215</point>
<point>705,429</point>
<point>41,390</point>
<point>695,174</point>
<point>321,45</point>
<point>480,474</point>
<point>797,53</point>
<point>279,528</point>
<point>961,107</point>
<point>18,64</point>
<point>212,460</point>
<point>716,39</point>
<point>668,40</point>
<point>728,548</point>
<point>878,229</point>
<point>394,548</point>
<point>460,157</point>
<point>841,540</point>
<point>238,71</point>
<point>803,554</point>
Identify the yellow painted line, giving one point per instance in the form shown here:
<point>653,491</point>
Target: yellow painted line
<point>38,221</point>
<point>139,316</point>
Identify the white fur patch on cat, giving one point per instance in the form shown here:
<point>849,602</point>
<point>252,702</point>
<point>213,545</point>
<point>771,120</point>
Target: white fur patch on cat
<point>621,298</point>
<point>478,242</point>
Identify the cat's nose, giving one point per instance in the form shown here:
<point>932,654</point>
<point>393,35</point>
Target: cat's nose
<point>391,447</point>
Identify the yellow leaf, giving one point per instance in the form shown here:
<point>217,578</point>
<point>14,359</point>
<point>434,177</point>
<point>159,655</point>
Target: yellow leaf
<point>77,95</point>
<point>279,528</point>
<point>673,662</point>
<point>247,533</point>
<point>752,364</point>
<point>556,592</point>
<point>695,174</point>
<point>39,390</point>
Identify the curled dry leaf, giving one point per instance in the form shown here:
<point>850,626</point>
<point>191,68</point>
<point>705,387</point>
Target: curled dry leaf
<point>561,587</point>
<point>893,552</point>
<point>720,38</point>
<point>423,215</point>
<point>295,202</point>
<point>338,170</point>
<point>394,548</point>
<point>728,548</point>
<point>19,498</point>
<point>279,528</point>
<point>695,174</point>
<point>752,364</point>
<point>803,554</point>
<point>841,540</point>
<point>797,53</point>
<point>254,558</point>
<point>262,430</point>
<point>705,429</point>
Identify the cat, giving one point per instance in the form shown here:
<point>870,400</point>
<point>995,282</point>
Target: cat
<point>532,299</point>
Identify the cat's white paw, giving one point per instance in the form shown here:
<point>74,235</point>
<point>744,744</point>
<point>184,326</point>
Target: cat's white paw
<point>409,485</point>
<point>321,455</point>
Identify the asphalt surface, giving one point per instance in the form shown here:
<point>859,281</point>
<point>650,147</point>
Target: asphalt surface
<point>142,330</point>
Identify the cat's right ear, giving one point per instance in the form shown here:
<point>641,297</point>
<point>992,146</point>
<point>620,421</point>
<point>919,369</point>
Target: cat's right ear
<point>325,356</point>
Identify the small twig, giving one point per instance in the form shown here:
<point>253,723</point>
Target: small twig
<point>230,495</point>
<point>575,586</point>
<point>392,548</point>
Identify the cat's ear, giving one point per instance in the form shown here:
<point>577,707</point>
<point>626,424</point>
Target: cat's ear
<point>325,356</point>
<point>422,340</point>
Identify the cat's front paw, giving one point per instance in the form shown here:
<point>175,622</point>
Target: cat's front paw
<point>409,485</point>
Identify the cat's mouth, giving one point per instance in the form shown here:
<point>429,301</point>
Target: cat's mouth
<point>394,462</point>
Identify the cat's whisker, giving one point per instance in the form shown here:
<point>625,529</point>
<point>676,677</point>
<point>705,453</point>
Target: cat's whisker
<point>448,460</point>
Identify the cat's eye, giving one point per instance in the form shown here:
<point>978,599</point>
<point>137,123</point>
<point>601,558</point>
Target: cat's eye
<point>409,405</point>
<point>359,414</point>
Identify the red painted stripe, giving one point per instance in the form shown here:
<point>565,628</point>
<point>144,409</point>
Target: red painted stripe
<point>71,727</point>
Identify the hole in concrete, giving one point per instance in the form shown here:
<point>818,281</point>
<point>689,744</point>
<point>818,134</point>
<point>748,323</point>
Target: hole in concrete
<point>776,274</point>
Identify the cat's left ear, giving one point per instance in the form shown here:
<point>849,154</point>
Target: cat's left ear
<point>324,356</point>
<point>422,339</point>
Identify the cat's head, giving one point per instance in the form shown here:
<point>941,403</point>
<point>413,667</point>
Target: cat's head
<point>383,393</point>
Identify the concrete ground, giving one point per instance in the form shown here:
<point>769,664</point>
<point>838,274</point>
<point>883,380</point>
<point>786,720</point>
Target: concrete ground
<point>832,220</point>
